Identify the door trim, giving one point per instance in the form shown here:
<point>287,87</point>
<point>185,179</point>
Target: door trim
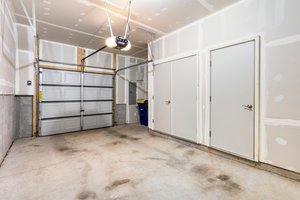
<point>257,80</point>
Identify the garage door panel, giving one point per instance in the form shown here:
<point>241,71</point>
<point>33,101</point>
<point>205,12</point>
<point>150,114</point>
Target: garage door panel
<point>53,93</point>
<point>99,121</point>
<point>52,77</point>
<point>97,93</point>
<point>72,78</point>
<point>63,107</point>
<point>56,126</point>
<point>97,80</point>
<point>60,77</point>
<point>51,110</point>
<point>97,107</point>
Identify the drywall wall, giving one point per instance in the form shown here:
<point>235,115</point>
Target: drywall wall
<point>276,22</point>
<point>25,61</point>
<point>8,42</point>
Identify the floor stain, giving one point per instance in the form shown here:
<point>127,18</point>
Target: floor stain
<point>211,180</point>
<point>223,177</point>
<point>62,148</point>
<point>86,194</point>
<point>154,158</point>
<point>225,184</point>
<point>123,136</point>
<point>116,184</point>
<point>180,146</point>
<point>36,145</point>
<point>66,149</point>
<point>176,163</point>
<point>190,152</point>
<point>201,170</point>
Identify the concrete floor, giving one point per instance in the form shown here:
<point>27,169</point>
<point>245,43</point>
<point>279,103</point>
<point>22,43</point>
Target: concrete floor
<point>127,162</point>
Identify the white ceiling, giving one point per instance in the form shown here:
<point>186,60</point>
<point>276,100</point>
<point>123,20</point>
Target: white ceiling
<point>84,22</point>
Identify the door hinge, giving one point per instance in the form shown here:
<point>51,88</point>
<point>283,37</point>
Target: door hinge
<point>209,133</point>
<point>210,98</point>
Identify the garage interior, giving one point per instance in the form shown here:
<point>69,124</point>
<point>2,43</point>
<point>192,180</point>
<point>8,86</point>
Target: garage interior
<point>137,99</point>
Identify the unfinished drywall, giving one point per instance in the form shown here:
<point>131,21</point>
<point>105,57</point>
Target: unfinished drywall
<point>57,52</point>
<point>276,22</point>
<point>25,61</point>
<point>8,42</point>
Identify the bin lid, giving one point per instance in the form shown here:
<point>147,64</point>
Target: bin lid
<point>140,101</point>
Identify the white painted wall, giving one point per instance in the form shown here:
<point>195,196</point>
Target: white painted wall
<point>8,42</point>
<point>276,21</point>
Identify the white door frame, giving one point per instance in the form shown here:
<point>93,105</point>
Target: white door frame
<point>257,81</point>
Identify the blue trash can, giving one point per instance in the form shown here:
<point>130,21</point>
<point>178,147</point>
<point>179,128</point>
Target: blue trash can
<point>143,111</point>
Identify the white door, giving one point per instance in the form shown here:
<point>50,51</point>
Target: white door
<point>232,99</point>
<point>184,98</point>
<point>162,98</point>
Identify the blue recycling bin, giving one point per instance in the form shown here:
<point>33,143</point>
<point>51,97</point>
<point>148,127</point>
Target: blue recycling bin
<point>143,111</point>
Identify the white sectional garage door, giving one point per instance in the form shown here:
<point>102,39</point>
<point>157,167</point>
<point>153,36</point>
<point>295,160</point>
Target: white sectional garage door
<point>74,101</point>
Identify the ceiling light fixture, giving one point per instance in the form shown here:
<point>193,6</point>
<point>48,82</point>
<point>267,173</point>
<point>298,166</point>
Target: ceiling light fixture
<point>119,42</point>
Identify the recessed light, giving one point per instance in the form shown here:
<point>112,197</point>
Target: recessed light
<point>47,2</point>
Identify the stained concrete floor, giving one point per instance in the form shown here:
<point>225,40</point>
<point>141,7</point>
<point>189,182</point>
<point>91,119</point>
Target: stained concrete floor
<point>127,162</point>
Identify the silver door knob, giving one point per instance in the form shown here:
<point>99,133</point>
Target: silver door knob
<point>248,107</point>
<point>168,102</point>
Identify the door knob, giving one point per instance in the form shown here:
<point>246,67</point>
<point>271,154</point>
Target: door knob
<point>168,102</point>
<point>248,107</point>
